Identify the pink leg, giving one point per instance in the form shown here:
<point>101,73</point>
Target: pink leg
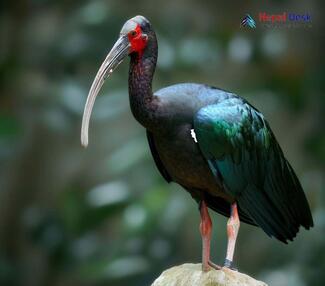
<point>205,229</point>
<point>232,231</point>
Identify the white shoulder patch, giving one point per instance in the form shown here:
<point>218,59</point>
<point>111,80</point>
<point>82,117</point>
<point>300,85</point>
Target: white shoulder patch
<point>193,135</point>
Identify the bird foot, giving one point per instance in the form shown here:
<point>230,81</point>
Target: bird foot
<point>230,264</point>
<point>213,265</point>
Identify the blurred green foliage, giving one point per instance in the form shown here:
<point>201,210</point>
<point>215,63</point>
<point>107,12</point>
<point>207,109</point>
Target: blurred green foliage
<point>104,216</point>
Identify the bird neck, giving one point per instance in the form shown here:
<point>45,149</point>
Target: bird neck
<point>142,67</point>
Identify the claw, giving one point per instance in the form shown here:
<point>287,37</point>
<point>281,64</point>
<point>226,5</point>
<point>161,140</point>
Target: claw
<point>215,266</point>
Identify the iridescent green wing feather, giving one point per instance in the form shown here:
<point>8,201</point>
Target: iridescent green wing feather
<point>245,157</point>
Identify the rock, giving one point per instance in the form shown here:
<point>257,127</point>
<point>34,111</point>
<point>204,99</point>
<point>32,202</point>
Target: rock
<point>191,275</point>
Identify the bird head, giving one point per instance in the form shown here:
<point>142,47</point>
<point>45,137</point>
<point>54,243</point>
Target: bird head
<point>133,39</point>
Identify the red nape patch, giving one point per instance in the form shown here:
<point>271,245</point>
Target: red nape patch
<point>137,40</point>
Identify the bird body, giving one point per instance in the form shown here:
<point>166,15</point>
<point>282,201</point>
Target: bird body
<point>224,125</point>
<point>211,142</point>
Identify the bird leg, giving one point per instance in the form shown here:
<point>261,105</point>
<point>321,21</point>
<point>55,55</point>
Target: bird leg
<point>232,231</point>
<point>205,229</point>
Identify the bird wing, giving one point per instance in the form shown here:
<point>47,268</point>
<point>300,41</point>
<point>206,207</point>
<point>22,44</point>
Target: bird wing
<point>243,153</point>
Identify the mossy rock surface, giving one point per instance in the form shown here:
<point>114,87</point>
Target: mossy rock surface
<point>191,274</point>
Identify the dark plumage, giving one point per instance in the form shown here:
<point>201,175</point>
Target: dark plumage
<point>210,141</point>
<point>236,158</point>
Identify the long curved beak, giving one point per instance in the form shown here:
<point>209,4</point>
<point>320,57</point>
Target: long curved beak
<point>119,51</point>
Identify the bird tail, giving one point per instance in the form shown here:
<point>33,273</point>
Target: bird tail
<point>281,209</point>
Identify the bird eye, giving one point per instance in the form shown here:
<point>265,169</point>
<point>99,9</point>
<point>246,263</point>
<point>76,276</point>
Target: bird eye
<point>133,33</point>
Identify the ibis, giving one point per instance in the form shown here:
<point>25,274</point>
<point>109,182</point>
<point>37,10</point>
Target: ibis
<point>212,142</point>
